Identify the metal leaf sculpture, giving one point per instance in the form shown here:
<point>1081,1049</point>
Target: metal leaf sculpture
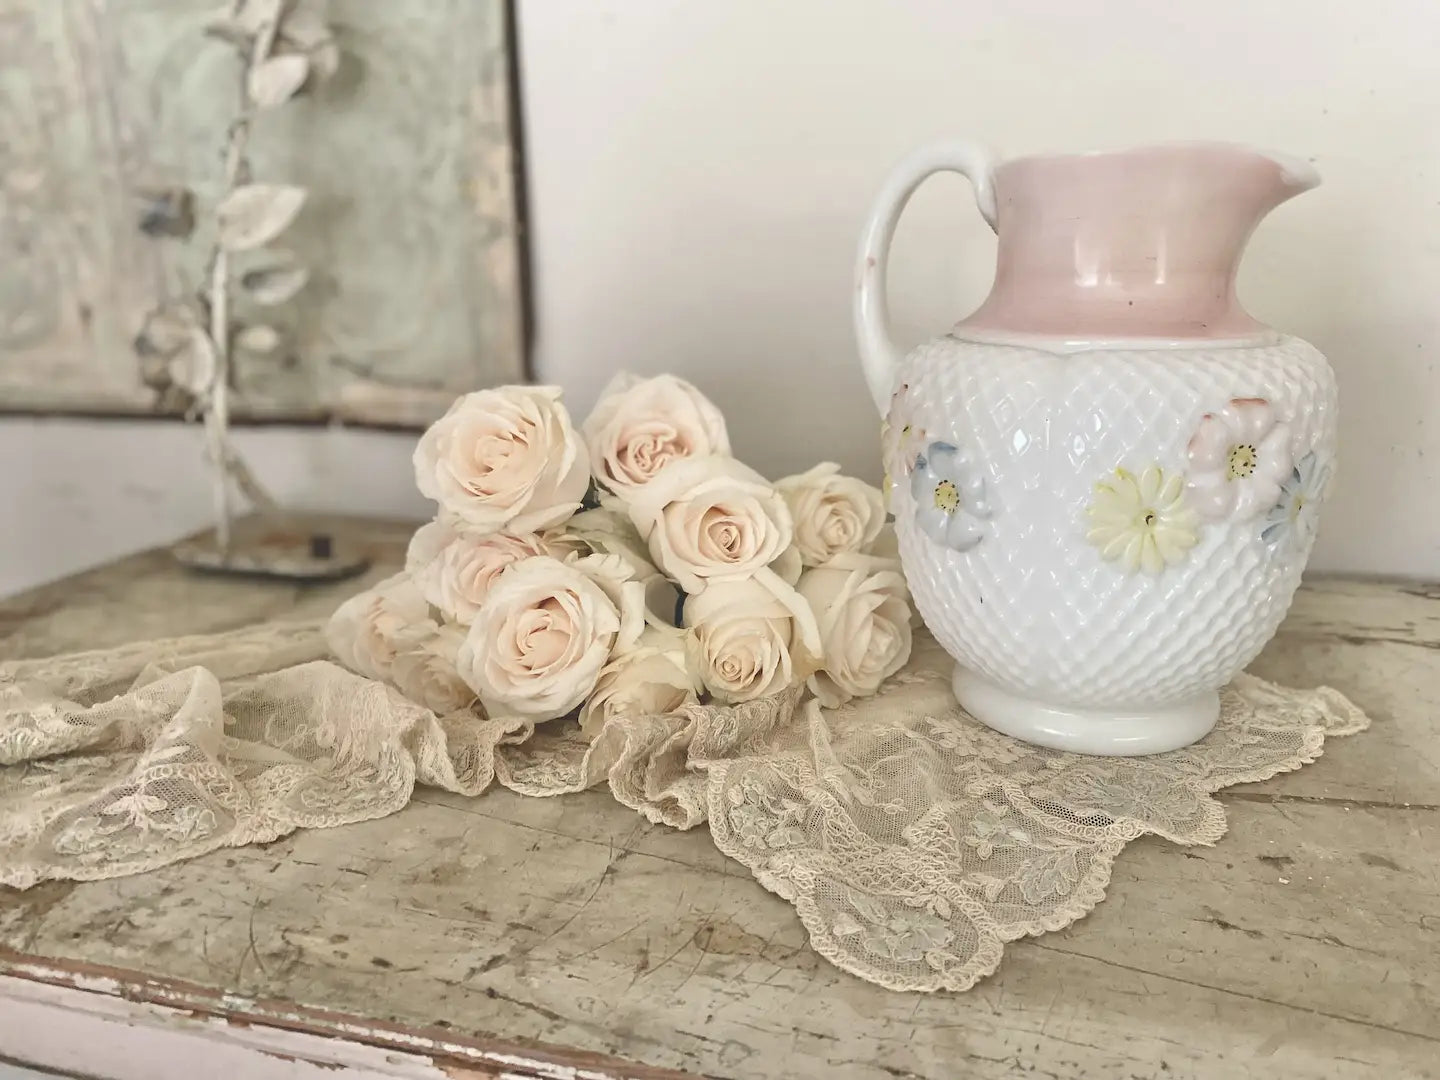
<point>276,282</point>
<point>189,347</point>
<point>253,215</point>
<point>277,80</point>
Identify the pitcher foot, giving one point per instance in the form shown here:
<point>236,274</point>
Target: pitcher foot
<point>1111,732</point>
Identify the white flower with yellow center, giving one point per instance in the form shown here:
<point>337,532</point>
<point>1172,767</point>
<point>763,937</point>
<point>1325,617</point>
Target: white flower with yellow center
<point>949,494</point>
<point>900,443</point>
<point>1239,457</point>
<point>1142,522</point>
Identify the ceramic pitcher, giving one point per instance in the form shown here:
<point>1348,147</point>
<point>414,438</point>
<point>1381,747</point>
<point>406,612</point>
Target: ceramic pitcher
<point>1106,480</point>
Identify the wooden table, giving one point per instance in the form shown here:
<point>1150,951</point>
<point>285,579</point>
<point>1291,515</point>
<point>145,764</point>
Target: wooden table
<point>567,937</point>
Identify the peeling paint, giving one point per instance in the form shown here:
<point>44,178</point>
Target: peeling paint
<point>283,1031</point>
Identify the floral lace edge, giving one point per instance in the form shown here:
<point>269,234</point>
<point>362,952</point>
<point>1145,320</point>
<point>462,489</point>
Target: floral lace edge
<point>25,875</point>
<point>1088,893</point>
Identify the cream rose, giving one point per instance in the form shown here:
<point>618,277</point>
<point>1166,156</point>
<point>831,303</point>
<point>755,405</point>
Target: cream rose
<point>711,517</point>
<point>833,514</point>
<point>367,631</point>
<point>862,607</point>
<point>539,640</point>
<point>750,637</point>
<point>649,680</point>
<point>505,459</point>
<point>455,570</point>
<point>607,530</point>
<point>625,584</point>
<point>424,670</point>
<point>640,425</point>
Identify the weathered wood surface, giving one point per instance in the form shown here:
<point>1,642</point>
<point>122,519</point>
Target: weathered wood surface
<point>1306,944</point>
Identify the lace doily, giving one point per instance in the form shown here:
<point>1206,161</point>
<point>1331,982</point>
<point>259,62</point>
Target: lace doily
<point>912,840</point>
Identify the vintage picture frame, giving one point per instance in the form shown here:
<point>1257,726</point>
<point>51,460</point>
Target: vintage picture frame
<point>114,121</point>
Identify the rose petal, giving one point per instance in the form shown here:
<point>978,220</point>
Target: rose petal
<point>539,640</point>
<point>504,459</point>
<point>639,426</point>
<point>710,517</point>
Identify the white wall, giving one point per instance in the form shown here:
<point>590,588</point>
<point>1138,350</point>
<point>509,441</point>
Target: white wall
<point>74,493</point>
<point>698,172</point>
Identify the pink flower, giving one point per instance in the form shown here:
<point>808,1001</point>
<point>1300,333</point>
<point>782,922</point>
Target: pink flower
<point>1239,457</point>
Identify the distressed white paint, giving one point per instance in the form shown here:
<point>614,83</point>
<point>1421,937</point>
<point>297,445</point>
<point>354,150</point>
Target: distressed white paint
<point>92,1033</point>
<point>56,1018</point>
<point>698,174</point>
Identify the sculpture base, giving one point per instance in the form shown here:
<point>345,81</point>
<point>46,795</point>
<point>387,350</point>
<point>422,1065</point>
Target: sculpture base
<point>1111,732</point>
<point>291,549</point>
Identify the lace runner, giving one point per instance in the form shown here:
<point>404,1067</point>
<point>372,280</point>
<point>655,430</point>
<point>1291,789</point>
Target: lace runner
<point>912,840</point>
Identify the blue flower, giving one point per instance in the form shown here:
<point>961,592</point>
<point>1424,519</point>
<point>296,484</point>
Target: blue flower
<point>949,494</point>
<point>1293,517</point>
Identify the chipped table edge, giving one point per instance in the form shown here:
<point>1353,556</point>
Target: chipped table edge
<point>288,1030</point>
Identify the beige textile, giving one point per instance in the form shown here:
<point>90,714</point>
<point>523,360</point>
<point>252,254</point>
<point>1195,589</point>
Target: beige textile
<point>913,841</point>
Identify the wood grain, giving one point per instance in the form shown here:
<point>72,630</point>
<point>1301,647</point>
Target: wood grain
<point>1303,945</point>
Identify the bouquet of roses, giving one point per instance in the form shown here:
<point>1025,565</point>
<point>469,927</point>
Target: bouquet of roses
<point>626,569</point>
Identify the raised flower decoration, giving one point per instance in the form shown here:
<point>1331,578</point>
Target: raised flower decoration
<point>911,445</point>
<point>949,494</point>
<point>1239,457</point>
<point>900,443</point>
<point>1142,522</point>
<point>1293,516</point>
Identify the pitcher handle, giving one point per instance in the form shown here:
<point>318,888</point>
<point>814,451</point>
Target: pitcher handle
<point>879,355</point>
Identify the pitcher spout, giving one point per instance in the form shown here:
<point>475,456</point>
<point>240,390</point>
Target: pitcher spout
<point>1142,243</point>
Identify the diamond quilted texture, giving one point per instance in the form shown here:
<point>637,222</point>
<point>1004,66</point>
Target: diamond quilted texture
<point>1033,607</point>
